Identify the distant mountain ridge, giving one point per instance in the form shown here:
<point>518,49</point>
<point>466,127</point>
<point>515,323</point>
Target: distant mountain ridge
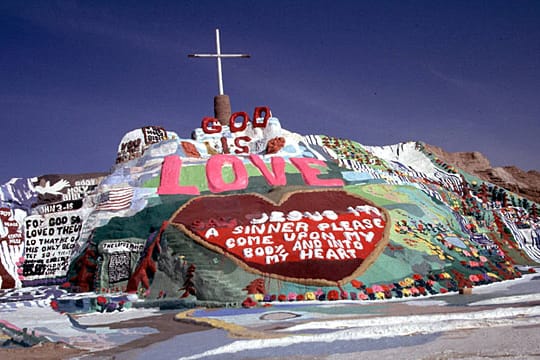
<point>525,183</point>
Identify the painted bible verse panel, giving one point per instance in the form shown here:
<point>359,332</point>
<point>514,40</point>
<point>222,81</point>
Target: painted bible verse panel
<point>49,243</point>
<point>312,237</point>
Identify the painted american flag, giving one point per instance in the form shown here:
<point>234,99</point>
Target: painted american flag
<point>116,199</point>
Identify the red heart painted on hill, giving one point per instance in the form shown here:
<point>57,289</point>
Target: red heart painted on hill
<point>317,237</point>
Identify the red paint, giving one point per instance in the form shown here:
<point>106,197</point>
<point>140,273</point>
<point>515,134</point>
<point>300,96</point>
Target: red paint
<point>300,241</point>
<point>242,149</point>
<point>211,125</point>
<point>309,236</point>
<point>258,114</point>
<point>241,126</point>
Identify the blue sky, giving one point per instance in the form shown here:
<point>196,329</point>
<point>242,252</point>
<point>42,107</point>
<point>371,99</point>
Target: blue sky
<point>76,76</point>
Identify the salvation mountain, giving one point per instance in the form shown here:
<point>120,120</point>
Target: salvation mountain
<point>249,208</point>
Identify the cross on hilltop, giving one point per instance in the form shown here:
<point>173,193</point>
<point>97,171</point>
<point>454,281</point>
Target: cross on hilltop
<point>222,104</point>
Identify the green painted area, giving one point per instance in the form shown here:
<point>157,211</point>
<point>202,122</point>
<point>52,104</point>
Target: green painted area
<point>142,224</point>
<point>252,170</point>
<point>420,251</point>
<point>386,269</point>
<point>152,183</point>
<point>190,175</point>
<point>413,209</point>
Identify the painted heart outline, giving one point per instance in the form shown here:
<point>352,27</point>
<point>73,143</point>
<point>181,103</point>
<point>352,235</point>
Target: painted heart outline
<point>312,237</point>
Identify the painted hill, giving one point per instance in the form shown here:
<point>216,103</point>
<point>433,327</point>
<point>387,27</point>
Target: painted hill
<point>251,208</point>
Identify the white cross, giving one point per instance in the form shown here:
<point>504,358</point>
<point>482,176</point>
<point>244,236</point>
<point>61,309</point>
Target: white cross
<point>218,55</point>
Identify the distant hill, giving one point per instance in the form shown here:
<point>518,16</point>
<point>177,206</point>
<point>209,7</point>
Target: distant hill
<point>525,183</point>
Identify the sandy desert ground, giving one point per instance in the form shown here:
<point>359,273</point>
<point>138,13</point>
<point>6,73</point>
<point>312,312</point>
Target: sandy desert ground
<point>500,320</point>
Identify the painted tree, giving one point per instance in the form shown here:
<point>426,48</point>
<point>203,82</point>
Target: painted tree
<point>189,285</point>
<point>147,267</point>
<point>257,286</point>
<point>85,269</point>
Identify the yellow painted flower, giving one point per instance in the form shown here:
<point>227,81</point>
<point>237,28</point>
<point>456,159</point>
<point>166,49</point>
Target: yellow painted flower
<point>409,281</point>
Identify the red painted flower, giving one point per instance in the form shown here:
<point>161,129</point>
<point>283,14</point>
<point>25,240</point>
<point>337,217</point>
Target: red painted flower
<point>369,291</point>
<point>333,295</point>
<point>101,300</point>
<point>249,302</point>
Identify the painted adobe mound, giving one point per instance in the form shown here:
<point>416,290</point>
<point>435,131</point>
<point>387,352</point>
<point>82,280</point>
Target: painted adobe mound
<point>253,209</point>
